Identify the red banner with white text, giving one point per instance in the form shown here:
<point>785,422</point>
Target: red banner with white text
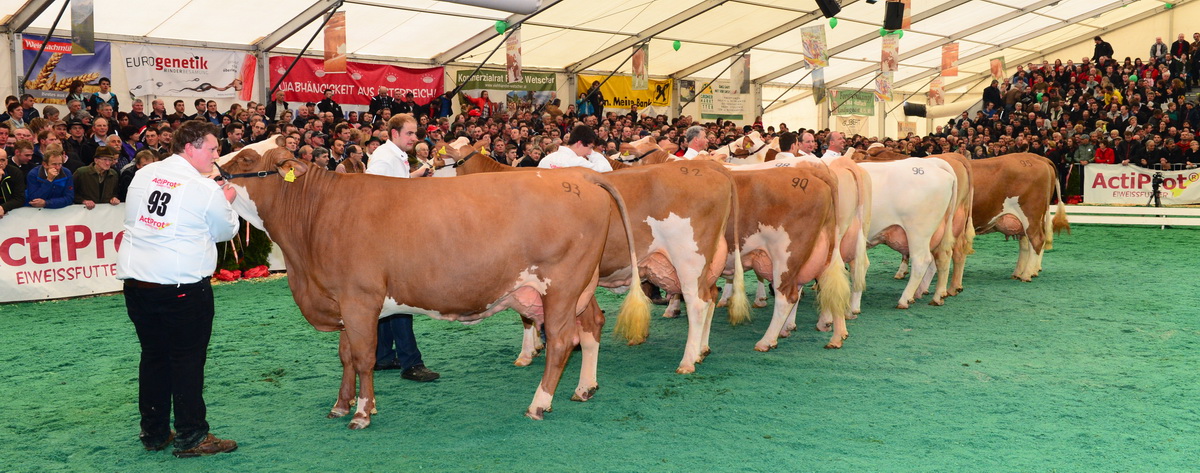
<point>308,80</point>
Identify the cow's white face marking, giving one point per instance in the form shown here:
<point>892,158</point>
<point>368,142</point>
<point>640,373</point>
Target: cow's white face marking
<point>775,241</point>
<point>675,236</point>
<point>528,278</point>
<point>245,208</point>
<point>390,307</point>
<point>1012,205</point>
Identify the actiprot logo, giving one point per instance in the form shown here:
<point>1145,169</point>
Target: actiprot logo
<point>160,182</point>
<point>1133,180</point>
<point>50,245</point>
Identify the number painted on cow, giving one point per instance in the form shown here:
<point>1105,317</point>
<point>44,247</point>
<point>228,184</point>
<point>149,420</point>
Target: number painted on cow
<point>1026,163</point>
<point>918,170</point>
<point>158,203</point>
<point>689,171</point>
<point>783,165</point>
<point>571,188</point>
<point>801,183</point>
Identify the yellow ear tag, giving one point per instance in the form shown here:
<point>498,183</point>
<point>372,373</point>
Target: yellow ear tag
<point>483,152</point>
<point>290,176</point>
<point>749,145</point>
<point>442,151</point>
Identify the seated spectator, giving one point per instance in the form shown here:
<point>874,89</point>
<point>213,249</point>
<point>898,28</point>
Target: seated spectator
<point>130,144</point>
<point>143,158</point>
<point>22,156</point>
<point>49,185</point>
<point>12,186</point>
<point>353,162</point>
<point>98,181</point>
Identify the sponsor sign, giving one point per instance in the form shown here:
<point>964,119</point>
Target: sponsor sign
<point>188,72</point>
<point>308,80</point>
<point>851,102</point>
<point>619,94</point>
<point>533,92</point>
<point>1117,184</point>
<point>722,101</point>
<point>54,253</point>
<point>58,67</point>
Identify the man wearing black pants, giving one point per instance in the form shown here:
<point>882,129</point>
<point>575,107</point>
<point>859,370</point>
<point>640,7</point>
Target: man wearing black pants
<point>174,217</point>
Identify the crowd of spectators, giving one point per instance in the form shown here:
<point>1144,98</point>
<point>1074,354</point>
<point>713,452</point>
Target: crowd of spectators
<point>1100,109</point>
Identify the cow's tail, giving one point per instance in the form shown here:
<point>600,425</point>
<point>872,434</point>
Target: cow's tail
<point>633,321</point>
<point>1059,222</point>
<point>834,281</point>
<point>946,245</point>
<point>969,232</point>
<point>863,181</point>
<point>739,305</point>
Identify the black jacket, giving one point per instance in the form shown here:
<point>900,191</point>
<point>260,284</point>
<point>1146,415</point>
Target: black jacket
<point>12,188</point>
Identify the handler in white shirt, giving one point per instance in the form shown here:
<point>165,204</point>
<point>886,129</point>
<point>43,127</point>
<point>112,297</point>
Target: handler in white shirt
<point>788,146</point>
<point>697,141</point>
<point>835,146</point>
<point>578,154</point>
<point>808,144</point>
<point>390,159</point>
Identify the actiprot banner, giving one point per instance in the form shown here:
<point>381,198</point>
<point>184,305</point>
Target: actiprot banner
<point>308,80</point>
<point>57,68</point>
<point>188,72</point>
<point>533,91</point>
<point>619,94</point>
<point>67,252</point>
<point>1117,184</point>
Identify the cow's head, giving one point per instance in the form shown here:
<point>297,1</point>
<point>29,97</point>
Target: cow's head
<point>255,176</point>
<point>643,151</point>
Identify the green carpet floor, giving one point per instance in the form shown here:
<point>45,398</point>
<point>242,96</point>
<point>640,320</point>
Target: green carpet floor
<point>1092,367</point>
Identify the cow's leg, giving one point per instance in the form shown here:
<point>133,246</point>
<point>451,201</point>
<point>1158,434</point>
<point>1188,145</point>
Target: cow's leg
<point>560,329</point>
<point>531,343</point>
<point>942,260</point>
<point>921,259</point>
<point>726,291</point>
<point>1026,261</point>
<point>708,319</point>
<point>673,306</point>
<point>860,276</point>
<point>960,265</point>
<point>362,338</point>
<point>902,270</point>
<point>760,294</point>
<point>589,327</point>
<point>790,324</point>
<point>786,297</point>
<point>341,407</point>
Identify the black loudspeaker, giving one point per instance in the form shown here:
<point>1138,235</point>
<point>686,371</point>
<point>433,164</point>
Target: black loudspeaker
<point>914,109</point>
<point>829,7</point>
<point>893,17</point>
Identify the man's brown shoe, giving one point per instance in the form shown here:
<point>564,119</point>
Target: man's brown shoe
<point>211,445</point>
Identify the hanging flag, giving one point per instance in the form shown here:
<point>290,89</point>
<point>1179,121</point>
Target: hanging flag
<point>83,28</point>
<point>813,39</point>
<point>907,23</point>
<point>819,85</point>
<point>883,87</point>
<point>512,56</point>
<point>335,44</point>
<point>950,60</point>
<point>891,53</point>
<point>936,94</point>
<point>641,66</point>
<point>997,64</point>
<point>739,74</point>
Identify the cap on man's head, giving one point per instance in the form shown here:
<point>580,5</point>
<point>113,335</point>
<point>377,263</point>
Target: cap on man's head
<point>431,129</point>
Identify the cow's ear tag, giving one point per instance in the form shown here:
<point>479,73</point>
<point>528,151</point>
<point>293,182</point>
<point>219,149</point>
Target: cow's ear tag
<point>290,176</point>
<point>442,151</point>
<point>483,151</point>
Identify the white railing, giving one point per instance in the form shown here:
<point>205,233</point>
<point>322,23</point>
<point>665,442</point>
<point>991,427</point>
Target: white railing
<point>1174,216</point>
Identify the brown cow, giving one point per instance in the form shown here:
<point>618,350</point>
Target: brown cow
<point>680,210</point>
<point>1012,196</point>
<point>510,228</point>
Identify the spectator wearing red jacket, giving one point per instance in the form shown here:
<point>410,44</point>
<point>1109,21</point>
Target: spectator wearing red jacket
<point>1104,154</point>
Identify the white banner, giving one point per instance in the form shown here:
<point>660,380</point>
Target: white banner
<point>1117,184</point>
<point>722,101</point>
<point>188,72</point>
<point>48,254</point>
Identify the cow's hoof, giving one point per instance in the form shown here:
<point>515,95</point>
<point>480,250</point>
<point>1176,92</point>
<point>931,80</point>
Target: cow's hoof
<point>758,304</point>
<point>522,361</point>
<point>359,423</point>
<point>685,369</point>
<point>670,314</point>
<point>722,303</point>
<point>764,347</point>
<point>856,312</point>
<point>902,306</point>
<point>536,414</point>
<point>585,395</point>
<point>937,302</point>
<point>852,316</point>
<point>898,276</point>
<point>833,345</point>
<point>705,352</point>
<point>337,412</point>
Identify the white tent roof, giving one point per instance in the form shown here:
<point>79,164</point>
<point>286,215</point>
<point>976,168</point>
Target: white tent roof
<point>577,35</point>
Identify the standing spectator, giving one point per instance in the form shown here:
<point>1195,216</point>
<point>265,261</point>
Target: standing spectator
<point>167,289</point>
<point>1158,50</point>
<point>12,186</point>
<point>137,115</point>
<point>487,108</point>
<point>211,114</point>
<point>444,106</point>
<point>1180,47</point>
<point>382,99</point>
<point>1103,154</point>
<point>49,185</point>
<point>596,99</point>
<point>329,105</point>
<point>180,113</point>
<point>277,107</point>
<point>127,173</point>
<point>1103,49</point>
<point>75,92</point>
<point>405,105</point>
<point>104,96</point>
<point>158,112</point>
<point>353,162</point>
<point>131,143</point>
<point>98,182</point>
<point>15,116</point>
<point>31,113</point>
<point>233,138</point>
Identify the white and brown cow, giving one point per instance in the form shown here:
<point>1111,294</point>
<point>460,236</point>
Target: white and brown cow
<point>912,211</point>
<point>1012,196</point>
<point>534,242</point>
<point>680,210</point>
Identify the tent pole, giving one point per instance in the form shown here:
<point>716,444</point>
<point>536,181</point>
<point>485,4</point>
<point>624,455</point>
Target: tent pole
<point>21,84</point>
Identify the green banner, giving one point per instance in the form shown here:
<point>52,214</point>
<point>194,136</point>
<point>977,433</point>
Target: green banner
<point>849,102</point>
<point>488,79</point>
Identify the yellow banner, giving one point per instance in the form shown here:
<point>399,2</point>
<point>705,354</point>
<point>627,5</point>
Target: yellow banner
<point>618,92</point>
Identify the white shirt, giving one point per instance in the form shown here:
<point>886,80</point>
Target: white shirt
<point>783,155</point>
<point>690,153</point>
<point>565,158</point>
<point>389,160</point>
<point>830,155</point>
<point>174,217</point>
